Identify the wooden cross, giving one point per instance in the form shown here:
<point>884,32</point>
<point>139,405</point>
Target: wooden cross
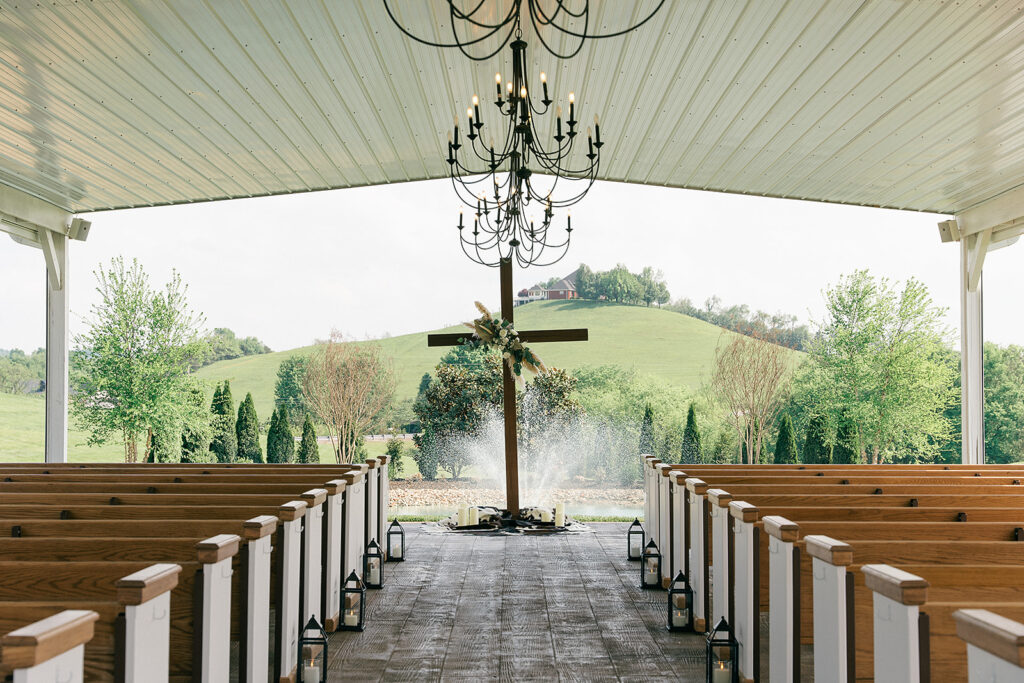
<point>507,383</point>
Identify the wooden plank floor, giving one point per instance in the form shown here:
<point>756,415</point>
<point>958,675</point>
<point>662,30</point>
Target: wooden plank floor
<point>516,608</point>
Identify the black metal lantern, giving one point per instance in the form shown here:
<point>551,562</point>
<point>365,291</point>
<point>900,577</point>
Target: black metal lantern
<point>353,595</point>
<point>373,566</point>
<point>396,542</point>
<point>650,566</point>
<point>680,605</point>
<point>635,540</point>
<point>723,655</point>
<point>313,653</point>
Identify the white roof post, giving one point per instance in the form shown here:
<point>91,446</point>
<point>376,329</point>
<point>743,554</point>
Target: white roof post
<point>55,251</point>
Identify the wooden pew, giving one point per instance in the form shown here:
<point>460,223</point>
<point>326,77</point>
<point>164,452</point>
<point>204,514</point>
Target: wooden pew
<point>48,649</point>
<point>995,644</point>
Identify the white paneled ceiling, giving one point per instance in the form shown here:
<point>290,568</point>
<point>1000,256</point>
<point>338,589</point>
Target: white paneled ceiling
<point>905,104</point>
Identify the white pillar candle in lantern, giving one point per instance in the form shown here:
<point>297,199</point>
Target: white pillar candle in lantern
<point>374,573</point>
<point>559,514</point>
<point>462,515</point>
<point>396,551</point>
<point>545,516</point>
<point>310,674</point>
<point>352,616</point>
<point>474,516</point>
<point>721,673</point>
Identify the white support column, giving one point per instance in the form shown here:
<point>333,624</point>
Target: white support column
<point>146,596</point>
<point>972,344</point>
<point>995,646</point>
<point>664,524</point>
<point>718,508</point>
<point>333,559</point>
<point>697,489</point>
<point>830,560</point>
<point>215,555</point>
<point>783,573</point>
<point>313,560</point>
<point>677,481</point>
<point>34,222</point>
<point>897,599</point>
<point>746,610</point>
<point>290,533</point>
<point>52,649</point>
<point>258,533</point>
<point>55,251</point>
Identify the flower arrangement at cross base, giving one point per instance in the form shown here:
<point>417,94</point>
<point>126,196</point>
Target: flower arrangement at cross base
<point>498,333</point>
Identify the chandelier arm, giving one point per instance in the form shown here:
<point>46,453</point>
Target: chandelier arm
<point>431,43</point>
<point>540,35</point>
<point>454,11</point>
<point>599,36</point>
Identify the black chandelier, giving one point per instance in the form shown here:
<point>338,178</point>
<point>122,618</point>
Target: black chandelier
<point>501,182</point>
<point>563,18</point>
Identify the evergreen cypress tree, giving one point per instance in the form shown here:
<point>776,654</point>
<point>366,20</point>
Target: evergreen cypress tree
<point>817,448</point>
<point>272,439</point>
<point>647,432</point>
<point>691,450</point>
<point>847,448</point>
<point>224,444</point>
<point>285,439</point>
<point>247,430</point>
<point>309,450</point>
<point>785,445</point>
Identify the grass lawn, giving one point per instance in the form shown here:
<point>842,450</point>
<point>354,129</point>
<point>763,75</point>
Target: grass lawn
<point>675,348</point>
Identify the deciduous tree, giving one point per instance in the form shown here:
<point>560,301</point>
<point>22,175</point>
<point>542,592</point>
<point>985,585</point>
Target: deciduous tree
<point>132,369</point>
<point>751,377</point>
<point>349,387</point>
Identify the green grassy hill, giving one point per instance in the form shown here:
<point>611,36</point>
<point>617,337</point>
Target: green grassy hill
<point>676,348</point>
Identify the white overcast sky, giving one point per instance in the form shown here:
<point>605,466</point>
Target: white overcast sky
<point>385,260</point>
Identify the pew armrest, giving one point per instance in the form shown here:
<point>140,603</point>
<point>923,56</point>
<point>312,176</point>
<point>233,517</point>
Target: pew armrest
<point>697,486</point>
<point>217,548</point>
<point>744,511</point>
<point>148,583</point>
<point>826,549</point>
<point>781,528</point>
<point>992,633</point>
<point>36,643</point>
<point>314,497</point>
<point>351,478</point>
<point>895,584</point>
<point>719,498</point>
<point>258,527</point>
<point>335,486</point>
<point>289,512</point>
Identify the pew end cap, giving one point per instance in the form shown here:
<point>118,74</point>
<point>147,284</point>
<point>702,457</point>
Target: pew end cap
<point>992,633</point>
<point>719,498</point>
<point>781,528</point>
<point>697,486</point>
<point>258,527</point>
<point>47,638</point>
<point>217,548</point>
<point>828,549</point>
<point>314,497</point>
<point>291,511</point>
<point>895,584</point>
<point>148,583</point>
<point>744,511</point>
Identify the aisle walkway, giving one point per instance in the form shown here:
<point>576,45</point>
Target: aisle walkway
<point>516,608</point>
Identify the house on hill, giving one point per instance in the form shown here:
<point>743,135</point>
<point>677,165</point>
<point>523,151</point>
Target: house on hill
<point>561,290</point>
